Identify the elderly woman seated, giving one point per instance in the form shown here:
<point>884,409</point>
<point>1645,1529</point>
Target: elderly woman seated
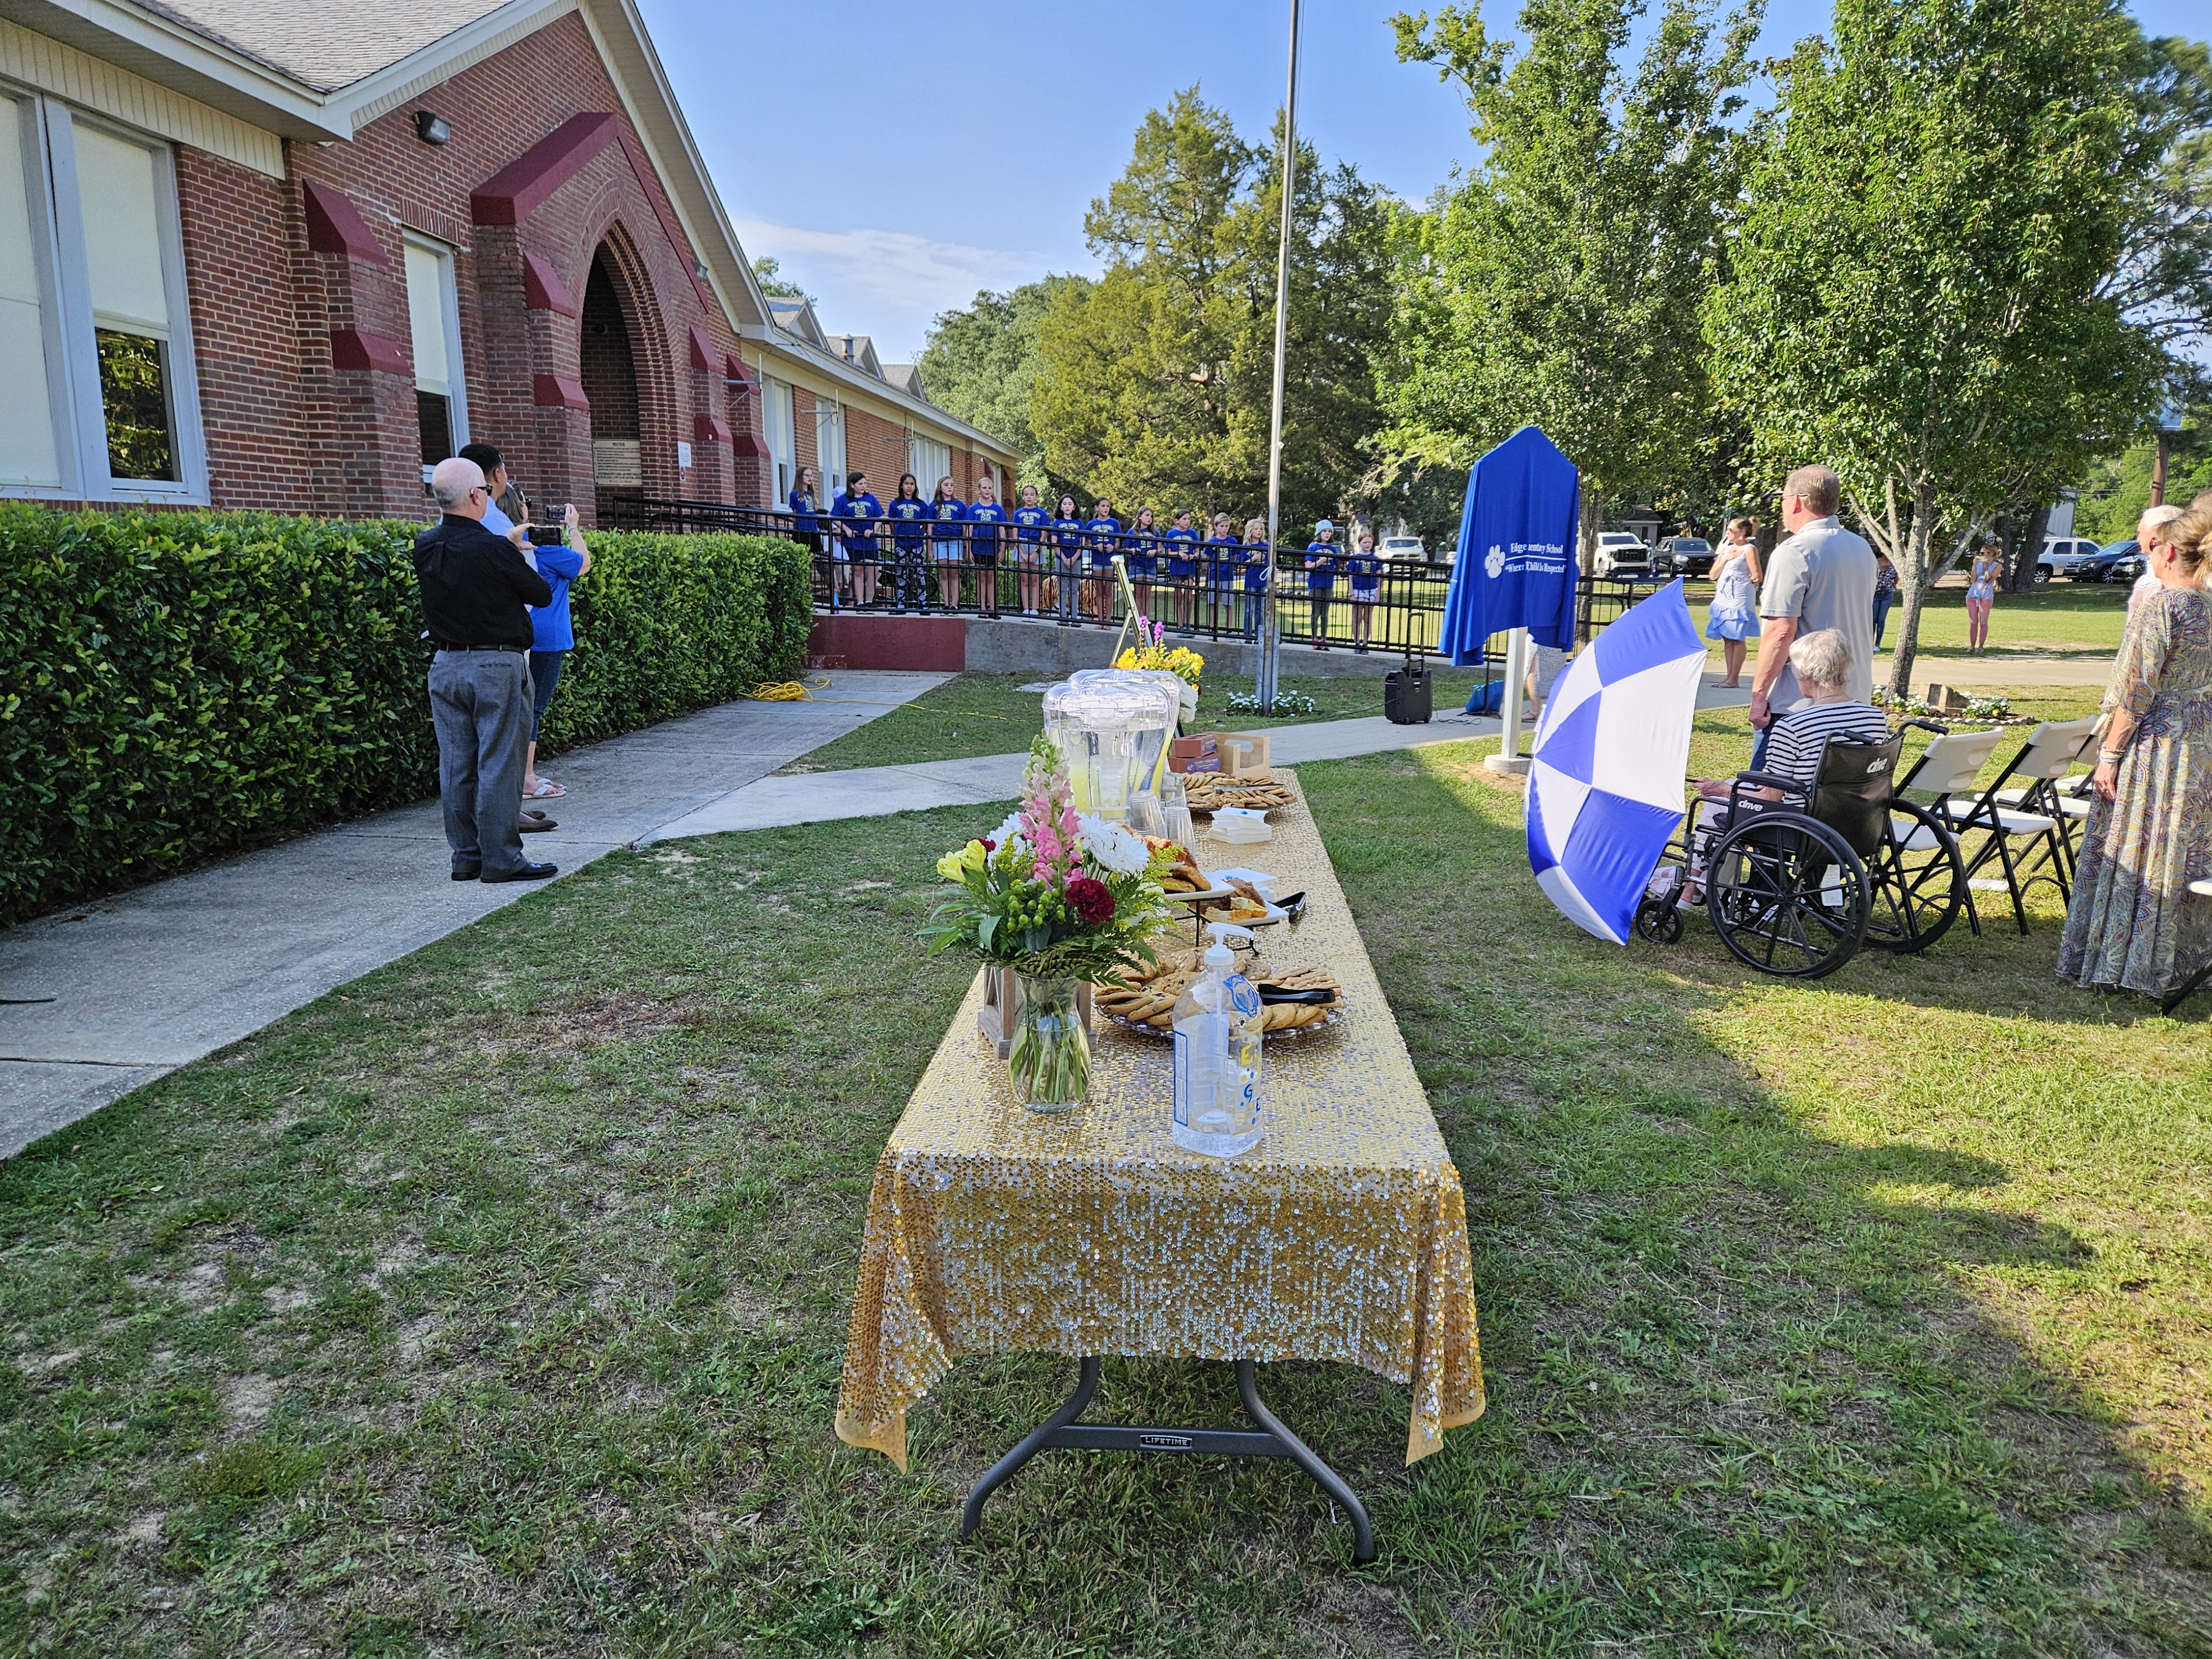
<point>1794,742</point>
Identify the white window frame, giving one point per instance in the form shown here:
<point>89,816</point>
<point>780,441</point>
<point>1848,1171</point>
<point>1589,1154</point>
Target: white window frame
<point>919,444</point>
<point>777,404</point>
<point>830,446</point>
<point>79,415</point>
<point>449,303</point>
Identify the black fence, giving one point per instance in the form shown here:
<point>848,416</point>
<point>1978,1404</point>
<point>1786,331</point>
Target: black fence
<point>1195,590</point>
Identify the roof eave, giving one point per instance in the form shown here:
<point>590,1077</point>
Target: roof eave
<point>838,368</point>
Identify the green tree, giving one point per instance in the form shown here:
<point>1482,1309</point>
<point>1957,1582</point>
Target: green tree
<point>1159,377</point>
<point>1559,284</point>
<point>1916,291</point>
<point>766,272</point>
<point>983,364</point>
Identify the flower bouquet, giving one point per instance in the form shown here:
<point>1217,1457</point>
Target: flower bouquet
<point>1151,651</point>
<point>1059,898</point>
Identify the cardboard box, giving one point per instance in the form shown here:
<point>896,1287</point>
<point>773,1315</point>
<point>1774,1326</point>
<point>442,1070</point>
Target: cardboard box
<point>1238,762</point>
<point>1193,754</point>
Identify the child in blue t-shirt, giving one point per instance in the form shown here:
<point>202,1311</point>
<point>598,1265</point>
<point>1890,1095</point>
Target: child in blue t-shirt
<point>1105,530</point>
<point>1031,521</point>
<point>1180,543</point>
<point>806,530</point>
<point>1259,557</point>
<point>983,517</point>
<point>1366,571</point>
<point>552,636</point>
<point>1224,556</point>
<point>948,511</point>
<point>1322,553</point>
<point>1067,560</point>
<point>859,510</point>
<point>1143,558</point>
<point>910,515</point>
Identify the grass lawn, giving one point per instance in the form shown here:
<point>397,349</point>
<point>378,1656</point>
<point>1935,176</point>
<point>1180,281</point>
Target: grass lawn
<point>496,1303</point>
<point>990,714</point>
<point>2058,618</point>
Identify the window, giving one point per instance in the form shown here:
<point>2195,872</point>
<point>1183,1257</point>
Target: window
<point>434,323</point>
<point>94,326</point>
<point>776,401</point>
<point>830,445</point>
<point>928,461</point>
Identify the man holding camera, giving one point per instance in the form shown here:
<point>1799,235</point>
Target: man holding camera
<point>476,588</point>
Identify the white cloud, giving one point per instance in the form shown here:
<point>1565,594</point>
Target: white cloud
<point>885,282</point>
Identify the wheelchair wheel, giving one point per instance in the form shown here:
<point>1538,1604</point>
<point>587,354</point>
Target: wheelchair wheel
<point>1788,895</point>
<point>1919,881</point>
<point>1659,921</point>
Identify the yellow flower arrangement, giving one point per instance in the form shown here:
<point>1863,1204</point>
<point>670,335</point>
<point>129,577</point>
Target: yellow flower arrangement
<point>1152,652</point>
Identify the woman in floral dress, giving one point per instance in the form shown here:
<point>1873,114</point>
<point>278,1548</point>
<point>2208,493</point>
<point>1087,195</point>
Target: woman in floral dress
<point>2133,922</point>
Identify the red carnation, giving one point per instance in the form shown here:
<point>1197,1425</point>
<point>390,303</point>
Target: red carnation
<point>1091,901</point>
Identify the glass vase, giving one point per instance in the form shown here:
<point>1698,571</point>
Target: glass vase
<point>1049,1057</point>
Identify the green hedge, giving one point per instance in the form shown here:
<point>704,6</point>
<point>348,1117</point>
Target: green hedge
<point>177,686</point>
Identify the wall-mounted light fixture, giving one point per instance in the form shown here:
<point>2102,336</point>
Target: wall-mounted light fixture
<point>432,129</point>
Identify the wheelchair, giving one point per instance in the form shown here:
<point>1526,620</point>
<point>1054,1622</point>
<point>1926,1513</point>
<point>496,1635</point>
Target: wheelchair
<point>1796,887</point>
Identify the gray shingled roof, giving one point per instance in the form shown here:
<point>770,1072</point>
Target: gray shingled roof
<point>324,44</point>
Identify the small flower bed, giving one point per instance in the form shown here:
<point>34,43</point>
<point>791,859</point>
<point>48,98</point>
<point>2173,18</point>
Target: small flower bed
<point>1286,703</point>
<point>1996,711</point>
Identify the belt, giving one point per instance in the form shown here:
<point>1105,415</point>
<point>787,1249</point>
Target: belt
<point>518,650</point>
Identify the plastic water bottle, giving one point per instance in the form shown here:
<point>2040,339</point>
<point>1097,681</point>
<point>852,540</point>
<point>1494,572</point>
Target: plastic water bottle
<point>1216,1055</point>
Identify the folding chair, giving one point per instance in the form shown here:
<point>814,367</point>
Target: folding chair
<point>2066,797</point>
<point>1948,766</point>
<point>2198,890</point>
<point>2048,756</point>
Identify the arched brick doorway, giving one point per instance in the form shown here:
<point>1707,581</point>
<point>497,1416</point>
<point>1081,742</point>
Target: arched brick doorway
<point>609,372</point>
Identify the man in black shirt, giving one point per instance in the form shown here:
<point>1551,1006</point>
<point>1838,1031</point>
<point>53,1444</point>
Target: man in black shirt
<point>474,585</point>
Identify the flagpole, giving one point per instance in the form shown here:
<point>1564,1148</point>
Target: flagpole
<point>1270,641</point>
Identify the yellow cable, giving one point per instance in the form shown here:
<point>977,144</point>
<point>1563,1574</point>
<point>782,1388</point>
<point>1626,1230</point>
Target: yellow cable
<point>804,691</point>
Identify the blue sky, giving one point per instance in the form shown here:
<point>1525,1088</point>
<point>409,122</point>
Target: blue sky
<point>896,158</point>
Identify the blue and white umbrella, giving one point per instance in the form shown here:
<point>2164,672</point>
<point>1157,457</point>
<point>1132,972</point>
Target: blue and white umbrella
<point>1605,782</point>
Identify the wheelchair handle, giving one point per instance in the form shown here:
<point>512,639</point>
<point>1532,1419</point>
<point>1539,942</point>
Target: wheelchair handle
<point>1936,726</point>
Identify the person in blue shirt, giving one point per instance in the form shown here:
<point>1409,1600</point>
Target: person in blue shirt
<point>1030,522</point>
<point>1258,561</point>
<point>1068,559</point>
<point>806,530</point>
<point>1224,557</point>
<point>1321,554</point>
<point>1366,571</point>
<point>1105,532</point>
<point>910,516</point>
<point>1180,543</point>
<point>858,511</point>
<point>1141,558</point>
<point>984,517</point>
<point>552,635</point>
<point>947,511</point>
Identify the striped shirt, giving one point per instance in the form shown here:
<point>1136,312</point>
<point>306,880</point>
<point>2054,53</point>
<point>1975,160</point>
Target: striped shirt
<point>1794,742</point>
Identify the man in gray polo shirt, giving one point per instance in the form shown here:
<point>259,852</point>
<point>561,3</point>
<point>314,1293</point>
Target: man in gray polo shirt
<point>1822,577</point>
<point>475,587</point>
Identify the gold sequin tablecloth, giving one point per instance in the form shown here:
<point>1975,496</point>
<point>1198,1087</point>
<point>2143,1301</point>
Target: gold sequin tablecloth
<point>1342,1236</point>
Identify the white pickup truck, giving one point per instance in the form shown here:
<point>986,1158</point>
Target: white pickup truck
<point>1621,553</point>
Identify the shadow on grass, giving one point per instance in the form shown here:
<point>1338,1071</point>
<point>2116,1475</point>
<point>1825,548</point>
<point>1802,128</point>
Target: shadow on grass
<point>497,1303</point>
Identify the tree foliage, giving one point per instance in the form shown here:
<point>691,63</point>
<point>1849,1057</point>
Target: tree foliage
<point>1159,377</point>
<point>983,364</point>
<point>1559,284</point>
<point>768,273</point>
<point>1918,290</point>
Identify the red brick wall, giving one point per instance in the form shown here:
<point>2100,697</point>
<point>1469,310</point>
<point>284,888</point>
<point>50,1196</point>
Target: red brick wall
<point>286,427</point>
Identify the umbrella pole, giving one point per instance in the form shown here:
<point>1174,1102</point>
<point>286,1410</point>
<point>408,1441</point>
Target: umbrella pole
<point>1509,757</point>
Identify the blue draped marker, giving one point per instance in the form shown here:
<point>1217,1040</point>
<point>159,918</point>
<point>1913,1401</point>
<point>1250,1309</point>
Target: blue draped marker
<point>1604,784</point>
<point>1517,550</point>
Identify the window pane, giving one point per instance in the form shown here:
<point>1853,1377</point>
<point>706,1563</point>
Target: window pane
<point>426,319</point>
<point>134,387</point>
<point>28,455</point>
<point>115,181</point>
<point>434,419</point>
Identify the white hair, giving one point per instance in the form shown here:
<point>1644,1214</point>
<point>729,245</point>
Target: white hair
<point>2157,518</point>
<point>452,478</point>
<point>1824,659</point>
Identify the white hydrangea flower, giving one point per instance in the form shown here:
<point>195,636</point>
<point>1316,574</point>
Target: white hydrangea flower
<point>1011,830</point>
<point>1112,847</point>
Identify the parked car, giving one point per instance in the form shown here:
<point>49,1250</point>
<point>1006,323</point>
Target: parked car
<point>1684,556</point>
<point>1408,548</point>
<point>2121,561</point>
<point>2065,556</point>
<point>1620,553</point>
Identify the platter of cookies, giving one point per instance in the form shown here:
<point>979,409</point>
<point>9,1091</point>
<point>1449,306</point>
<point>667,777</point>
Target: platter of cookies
<point>1206,791</point>
<point>1184,879</point>
<point>1146,1001</point>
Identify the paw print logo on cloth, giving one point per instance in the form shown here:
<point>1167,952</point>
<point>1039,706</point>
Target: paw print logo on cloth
<point>1495,562</point>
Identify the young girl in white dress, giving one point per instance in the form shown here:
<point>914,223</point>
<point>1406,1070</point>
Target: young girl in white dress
<point>1733,616</point>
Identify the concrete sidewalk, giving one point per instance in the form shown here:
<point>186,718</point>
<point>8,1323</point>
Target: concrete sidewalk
<point>148,980</point>
<point>878,791</point>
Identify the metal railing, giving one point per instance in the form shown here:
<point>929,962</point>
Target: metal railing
<point>1396,608</point>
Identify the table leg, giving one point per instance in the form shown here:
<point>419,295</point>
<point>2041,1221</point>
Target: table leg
<point>1270,1439</point>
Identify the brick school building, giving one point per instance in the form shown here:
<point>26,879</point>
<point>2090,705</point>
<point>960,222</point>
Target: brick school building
<point>285,254</point>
